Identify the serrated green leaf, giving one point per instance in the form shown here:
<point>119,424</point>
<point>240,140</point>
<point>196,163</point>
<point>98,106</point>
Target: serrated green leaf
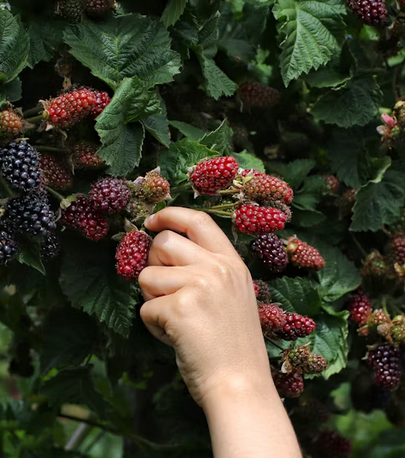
<point>174,9</point>
<point>14,46</point>
<point>379,203</point>
<point>357,103</point>
<point>191,132</point>
<point>68,337</point>
<point>249,161</point>
<point>294,172</point>
<point>89,280</point>
<point>330,341</point>
<point>219,139</point>
<point>310,33</point>
<point>310,194</point>
<point>185,153</point>
<point>296,295</point>
<point>122,142</point>
<point>29,254</point>
<point>217,84</point>
<point>75,386</point>
<point>45,39</point>
<point>124,47</point>
<point>11,92</point>
<point>158,125</point>
<point>307,218</point>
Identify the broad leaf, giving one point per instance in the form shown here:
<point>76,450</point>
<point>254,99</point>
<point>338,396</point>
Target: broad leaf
<point>217,84</point>
<point>296,295</point>
<point>125,46</point>
<point>294,172</point>
<point>356,104</point>
<point>219,140</point>
<point>311,33</point>
<point>181,155</point>
<point>248,161</point>
<point>11,92</point>
<point>157,125</point>
<point>89,280</point>
<point>189,131</point>
<point>45,39</point>
<point>379,202</point>
<point>174,9</point>
<point>69,336</point>
<point>29,254</point>
<point>14,46</point>
<point>75,386</point>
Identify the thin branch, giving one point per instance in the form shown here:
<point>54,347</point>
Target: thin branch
<point>89,422</point>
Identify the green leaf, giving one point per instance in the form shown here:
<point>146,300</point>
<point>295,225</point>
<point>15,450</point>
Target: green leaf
<point>296,295</point>
<point>310,194</point>
<point>125,46</point>
<point>122,142</point>
<point>191,132</point>
<point>330,341</point>
<point>11,92</point>
<point>379,202</point>
<point>294,172</point>
<point>45,39</point>
<point>75,386</point>
<point>310,34</point>
<point>249,161</point>
<point>68,337</point>
<point>217,84</point>
<point>357,103</point>
<point>307,218</point>
<point>89,280</point>
<point>158,126</point>
<point>14,46</point>
<point>219,140</point>
<point>182,154</point>
<point>29,254</point>
<point>174,9</point>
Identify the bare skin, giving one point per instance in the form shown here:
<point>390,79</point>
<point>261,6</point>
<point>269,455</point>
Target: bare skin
<point>200,300</point>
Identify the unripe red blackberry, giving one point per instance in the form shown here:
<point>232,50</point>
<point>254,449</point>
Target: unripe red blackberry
<point>298,357</point>
<point>386,363</point>
<point>255,220</point>
<point>289,385</point>
<point>19,165</point>
<point>54,173</point>
<point>132,255</point>
<point>10,123</point>
<point>102,100</point>
<point>8,246</point>
<point>360,308</point>
<point>346,202</point>
<point>154,188</point>
<point>374,265</point>
<point>397,250</point>
<point>50,247</point>
<point>83,217</point>
<point>296,326</point>
<point>303,255</point>
<point>332,184</point>
<point>272,318</point>
<point>84,156</point>
<point>316,364</point>
<point>110,195</point>
<point>378,317</point>
<point>30,214</point>
<point>98,7</point>
<point>264,187</point>
<point>371,12</point>
<point>255,94</point>
<point>212,175</point>
<point>262,291</point>
<point>70,108</point>
<point>270,249</point>
<point>333,445</point>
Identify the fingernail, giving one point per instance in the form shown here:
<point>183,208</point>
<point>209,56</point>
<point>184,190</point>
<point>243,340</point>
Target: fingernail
<point>148,220</point>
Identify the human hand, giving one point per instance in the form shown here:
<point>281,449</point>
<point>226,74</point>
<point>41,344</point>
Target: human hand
<point>200,299</point>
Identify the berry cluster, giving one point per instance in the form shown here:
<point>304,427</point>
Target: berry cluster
<point>153,188</point>
<point>255,94</point>
<point>110,195</point>
<point>303,255</point>
<point>84,156</point>
<point>371,12</point>
<point>10,123</point>
<point>270,249</point>
<point>333,445</point>
<point>360,308</point>
<point>301,359</point>
<point>252,219</point>
<point>54,172</point>
<point>386,363</point>
<point>132,254</point>
<point>290,385</point>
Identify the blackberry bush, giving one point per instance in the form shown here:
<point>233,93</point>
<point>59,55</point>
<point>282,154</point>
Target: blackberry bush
<point>111,111</point>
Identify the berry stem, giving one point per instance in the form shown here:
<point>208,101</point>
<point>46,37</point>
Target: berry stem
<point>55,194</point>
<point>218,207</point>
<point>33,111</point>
<point>50,149</point>
<point>181,188</point>
<point>274,343</point>
<point>214,212</point>
<point>36,119</point>
<point>357,243</point>
<point>6,187</point>
<point>229,191</point>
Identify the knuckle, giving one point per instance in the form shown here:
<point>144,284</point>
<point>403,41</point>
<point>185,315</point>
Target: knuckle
<point>201,219</point>
<point>144,277</point>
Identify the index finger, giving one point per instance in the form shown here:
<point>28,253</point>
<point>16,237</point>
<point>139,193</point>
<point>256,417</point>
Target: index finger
<point>199,227</point>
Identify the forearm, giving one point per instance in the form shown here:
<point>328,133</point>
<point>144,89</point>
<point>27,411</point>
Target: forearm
<point>247,421</point>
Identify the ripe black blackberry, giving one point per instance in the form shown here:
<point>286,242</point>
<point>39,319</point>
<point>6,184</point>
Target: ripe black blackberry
<point>270,249</point>
<point>50,247</point>
<point>19,165</point>
<point>8,246</point>
<point>386,362</point>
<point>30,214</point>
<point>371,12</point>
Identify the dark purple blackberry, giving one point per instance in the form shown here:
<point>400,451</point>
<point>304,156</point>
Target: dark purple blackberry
<point>31,214</point>
<point>371,12</point>
<point>270,249</point>
<point>19,165</point>
<point>50,247</point>
<point>385,360</point>
<point>8,247</point>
